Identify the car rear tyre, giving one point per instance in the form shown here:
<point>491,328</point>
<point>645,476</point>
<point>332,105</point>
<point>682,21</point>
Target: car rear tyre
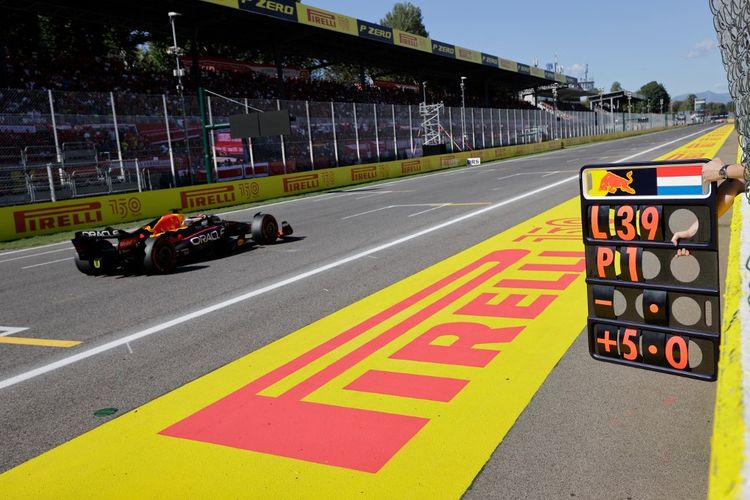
<point>160,256</point>
<point>264,229</point>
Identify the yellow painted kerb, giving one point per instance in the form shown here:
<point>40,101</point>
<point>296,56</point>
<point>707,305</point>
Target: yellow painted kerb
<point>727,444</point>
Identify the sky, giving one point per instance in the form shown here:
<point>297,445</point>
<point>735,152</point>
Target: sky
<point>631,41</point>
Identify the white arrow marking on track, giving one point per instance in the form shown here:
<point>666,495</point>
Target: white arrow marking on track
<point>10,330</point>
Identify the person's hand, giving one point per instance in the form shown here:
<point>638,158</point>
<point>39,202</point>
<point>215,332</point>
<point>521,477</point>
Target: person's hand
<point>710,171</point>
<point>683,235</point>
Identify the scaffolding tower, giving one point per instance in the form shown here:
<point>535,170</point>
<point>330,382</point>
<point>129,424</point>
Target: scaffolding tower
<point>430,114</point>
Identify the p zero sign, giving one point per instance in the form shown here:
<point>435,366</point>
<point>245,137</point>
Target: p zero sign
<point>648,307</point>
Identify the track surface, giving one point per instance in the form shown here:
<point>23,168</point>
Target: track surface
<point>328,267</point>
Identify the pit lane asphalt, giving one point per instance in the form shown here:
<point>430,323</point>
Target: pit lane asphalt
<point>45,293</point>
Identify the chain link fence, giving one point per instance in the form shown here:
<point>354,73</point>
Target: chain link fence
<point>56,145</point>
<point>731,18</point>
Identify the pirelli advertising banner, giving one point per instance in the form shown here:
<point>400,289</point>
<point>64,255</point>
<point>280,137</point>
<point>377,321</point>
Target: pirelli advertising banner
<point>313,16</point>
<point>411,41</point>
<point>537,72</point>
<point>47,218</point>
<point>468,55</point>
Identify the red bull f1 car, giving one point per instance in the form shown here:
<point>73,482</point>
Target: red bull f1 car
<point>168,241</point>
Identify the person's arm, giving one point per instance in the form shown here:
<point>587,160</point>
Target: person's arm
<point>711,171</point>
<point>725,194</point>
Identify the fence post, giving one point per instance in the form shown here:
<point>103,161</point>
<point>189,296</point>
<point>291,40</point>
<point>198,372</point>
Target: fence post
<point>138,175</point>
<point>283,147</point>
<point>117,134</point>
<point>309,135</point>
<point>492,130</point>
<point>54,127</point>
<point>377,135</point>
<point>204,136</point>
<point>395,141</point>
<point>481,117</point>
<point>169,140</point>
<point>51,183</point>
<point>249,147</point>
<point>500,125</point>
<point>213,142</point>
<point>450,128</point>
<point>411,133</point>
<point>356,132</point>
<point>335,137</point>
<point>473,130</point>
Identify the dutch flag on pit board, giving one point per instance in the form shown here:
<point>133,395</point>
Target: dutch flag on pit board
<point>679,180</point>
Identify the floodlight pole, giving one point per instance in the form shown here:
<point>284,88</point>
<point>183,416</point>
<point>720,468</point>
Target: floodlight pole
<point>630,118</point>
<point>554,111</point>
<point>180,90</point>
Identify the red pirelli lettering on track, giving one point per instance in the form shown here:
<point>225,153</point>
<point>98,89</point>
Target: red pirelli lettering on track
<point>291,425</point>
<point>555,229</point>
<point>408,385</point>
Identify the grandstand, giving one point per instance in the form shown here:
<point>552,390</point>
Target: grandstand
<point>136,135</point>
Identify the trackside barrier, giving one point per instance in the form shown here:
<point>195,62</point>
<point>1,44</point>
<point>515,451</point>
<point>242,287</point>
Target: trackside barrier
<point>730,468</point>
<point>53,217</point>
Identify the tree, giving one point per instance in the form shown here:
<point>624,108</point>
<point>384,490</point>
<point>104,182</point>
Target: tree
<point>616,87</point>
<point>405,16</point>
<point>689,103</point>
<point>655,95</point>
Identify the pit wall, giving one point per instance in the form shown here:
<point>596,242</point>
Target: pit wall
<point>52,217</point>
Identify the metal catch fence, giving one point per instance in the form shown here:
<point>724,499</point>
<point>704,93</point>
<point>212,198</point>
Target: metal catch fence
<point>56,145</point>
<point>731,20</point>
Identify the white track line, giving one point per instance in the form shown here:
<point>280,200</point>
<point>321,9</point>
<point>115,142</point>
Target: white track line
<point>28,375</point>
<point>429,210</point>
<point>3,254</point>
<point>47,263</point>
<point>36,254</point>
<point>368,212</point>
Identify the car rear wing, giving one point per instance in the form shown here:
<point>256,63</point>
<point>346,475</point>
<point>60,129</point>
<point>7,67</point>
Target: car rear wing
<point>108,233</point>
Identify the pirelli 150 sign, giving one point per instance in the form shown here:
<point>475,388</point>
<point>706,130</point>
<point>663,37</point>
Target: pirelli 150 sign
<point>649,307</point>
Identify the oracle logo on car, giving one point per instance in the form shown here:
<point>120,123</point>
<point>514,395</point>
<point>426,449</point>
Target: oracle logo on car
<point>364,173</point>
<point>106,233</point>
<point>301,183</point>
<point>40,219</point>
<point>209,235</point>
<point>207,197</point>
<point>411,167</point>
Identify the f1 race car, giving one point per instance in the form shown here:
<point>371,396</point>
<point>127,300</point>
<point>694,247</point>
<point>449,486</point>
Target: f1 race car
<point>168,241</point>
